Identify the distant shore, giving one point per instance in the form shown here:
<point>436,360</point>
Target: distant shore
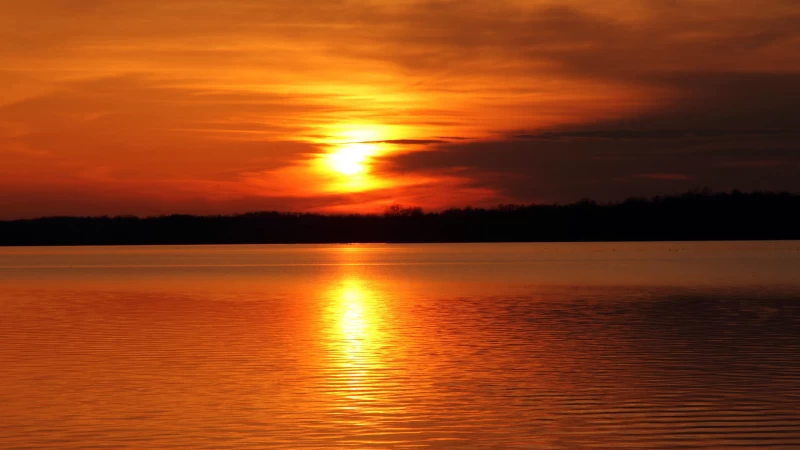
<point>696,215</point>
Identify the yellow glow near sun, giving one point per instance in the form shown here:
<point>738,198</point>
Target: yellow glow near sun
<point>360,133</point>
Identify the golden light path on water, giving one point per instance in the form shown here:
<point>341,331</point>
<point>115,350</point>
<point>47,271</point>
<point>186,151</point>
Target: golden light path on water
<point>365,367</point>
<point>356,344</point>
<point>355,327</point>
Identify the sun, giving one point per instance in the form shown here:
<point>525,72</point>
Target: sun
<point>350,159</point>
<point>352,147</point>
<point>351,152</point>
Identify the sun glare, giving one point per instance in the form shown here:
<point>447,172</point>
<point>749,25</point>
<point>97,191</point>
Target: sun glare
<point>350,148</point>
<point>350,159</point>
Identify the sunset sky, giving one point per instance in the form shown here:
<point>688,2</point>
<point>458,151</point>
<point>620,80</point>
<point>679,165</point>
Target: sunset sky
<point>221,106</point>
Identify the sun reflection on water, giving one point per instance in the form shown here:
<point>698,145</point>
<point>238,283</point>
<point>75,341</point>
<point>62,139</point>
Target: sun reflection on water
<point>358,370</point>
<point>354,321</point>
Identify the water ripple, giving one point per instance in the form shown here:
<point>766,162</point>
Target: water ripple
<point>372,359</point>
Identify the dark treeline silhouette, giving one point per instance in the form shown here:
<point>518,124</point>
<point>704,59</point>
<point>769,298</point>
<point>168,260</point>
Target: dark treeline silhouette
<point>696,215</point>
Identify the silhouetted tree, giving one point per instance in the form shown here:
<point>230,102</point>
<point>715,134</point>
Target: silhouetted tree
<point>696,215</point>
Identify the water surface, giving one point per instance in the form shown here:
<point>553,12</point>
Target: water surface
<point>552,346</point>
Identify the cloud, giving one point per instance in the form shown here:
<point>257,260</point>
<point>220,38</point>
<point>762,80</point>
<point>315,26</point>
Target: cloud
<point>665,176</point>
<point>650,134</point>
<point>134,123</point>
<point>729,131</point>
<point>523,100</point>
<point>567,170</point>
<point>406,141</point>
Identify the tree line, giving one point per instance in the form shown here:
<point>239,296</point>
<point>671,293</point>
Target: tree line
<point>695,215</point>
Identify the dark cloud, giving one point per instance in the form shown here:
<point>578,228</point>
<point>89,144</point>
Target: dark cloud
<point>726,101</point>
<point>566,170</point>
<point>650,134</point>
<point>665,176</point>
<point>727,131</point>
<point>707,105</point>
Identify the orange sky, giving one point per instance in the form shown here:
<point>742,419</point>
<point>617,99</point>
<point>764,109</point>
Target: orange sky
<point>218,106</point>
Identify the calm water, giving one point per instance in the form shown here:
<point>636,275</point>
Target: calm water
<point>551,346</point>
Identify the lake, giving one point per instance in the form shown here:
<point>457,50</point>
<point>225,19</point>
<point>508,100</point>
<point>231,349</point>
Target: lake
<point>445,346</point>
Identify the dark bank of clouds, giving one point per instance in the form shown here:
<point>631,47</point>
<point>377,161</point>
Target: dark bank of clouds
<point>723,130</point>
